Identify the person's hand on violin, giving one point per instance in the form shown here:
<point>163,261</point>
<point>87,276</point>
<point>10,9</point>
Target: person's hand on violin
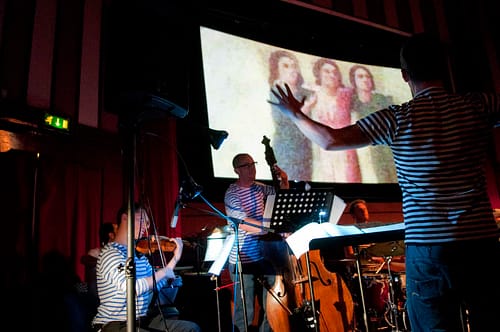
<point>168,270</point>
<point>177,252</point>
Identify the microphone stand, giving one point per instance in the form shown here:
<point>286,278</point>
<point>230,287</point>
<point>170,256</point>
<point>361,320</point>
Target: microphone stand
<point>235,224</point>
<point>130,271</point>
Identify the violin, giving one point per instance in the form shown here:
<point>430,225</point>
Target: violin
<point>160,250</point>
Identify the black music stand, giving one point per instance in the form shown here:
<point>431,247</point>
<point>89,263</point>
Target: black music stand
<point>295,208</point>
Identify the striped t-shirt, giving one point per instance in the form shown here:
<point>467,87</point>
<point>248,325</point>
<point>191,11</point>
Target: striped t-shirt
<point>243,202</point>
<point>440,143</point>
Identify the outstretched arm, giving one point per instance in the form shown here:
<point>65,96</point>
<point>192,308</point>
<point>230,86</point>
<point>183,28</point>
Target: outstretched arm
<point>346,138</point>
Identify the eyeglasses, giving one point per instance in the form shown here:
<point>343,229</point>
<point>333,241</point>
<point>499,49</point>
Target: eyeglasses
<point>247,165</point>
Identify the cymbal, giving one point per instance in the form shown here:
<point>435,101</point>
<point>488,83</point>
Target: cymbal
<point>340,260</point>
<point>392,248</point>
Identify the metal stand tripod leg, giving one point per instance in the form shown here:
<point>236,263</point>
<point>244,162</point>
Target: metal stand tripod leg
<point>311,291</point>
<point>214,278</point>
<point>393,306</point>
<point>242,293</point>
<point>361,288</point>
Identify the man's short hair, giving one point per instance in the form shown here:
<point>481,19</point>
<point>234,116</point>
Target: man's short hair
<point>124,209</point>
<point>238,157</point>
<point>423,57</point>
<point>353,204</point>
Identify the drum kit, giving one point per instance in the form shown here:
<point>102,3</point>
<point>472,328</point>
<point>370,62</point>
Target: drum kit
<point>383,286</point>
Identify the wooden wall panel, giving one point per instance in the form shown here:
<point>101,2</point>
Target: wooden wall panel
<point>3,7</point>
<point>359,8</point>
<point>67,58</point>
<point>376,12</point>
<point>391,13</point>
<point>42,54</point>
<point>416,15</point>
<point>405,21</point>
<point>88,108</point>
<point>15,48</point>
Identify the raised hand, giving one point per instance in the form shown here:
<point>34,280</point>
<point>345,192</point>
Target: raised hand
<point>285,100</point>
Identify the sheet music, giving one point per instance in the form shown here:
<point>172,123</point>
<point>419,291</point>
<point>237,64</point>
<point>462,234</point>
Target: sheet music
<point>338,207</point>
<point>299,240</point>
<point>383,227</point>
<point>219,263</point>
<point>268,211</point>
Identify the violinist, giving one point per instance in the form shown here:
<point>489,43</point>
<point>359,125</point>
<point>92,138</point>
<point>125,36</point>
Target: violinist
<point>245,200</point>
<point>112,282</point>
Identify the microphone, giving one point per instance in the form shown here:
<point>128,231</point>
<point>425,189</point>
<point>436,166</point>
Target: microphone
<point>178,204</point>
<point>188,190</point>
<point>192,189</point>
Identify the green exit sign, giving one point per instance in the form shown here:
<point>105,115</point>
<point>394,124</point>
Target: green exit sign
<point>56,122</point>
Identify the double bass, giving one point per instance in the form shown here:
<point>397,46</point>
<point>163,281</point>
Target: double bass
<point>278,304</point>
<point>307,296</point>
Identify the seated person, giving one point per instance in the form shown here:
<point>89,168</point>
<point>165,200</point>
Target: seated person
<point>359,211</point>
<point>377,253</point>
<point>112,280</point>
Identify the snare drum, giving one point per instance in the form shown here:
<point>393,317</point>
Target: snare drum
<point>376,293</point>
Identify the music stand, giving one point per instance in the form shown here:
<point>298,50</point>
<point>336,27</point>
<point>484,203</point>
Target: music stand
<point>296,208</point>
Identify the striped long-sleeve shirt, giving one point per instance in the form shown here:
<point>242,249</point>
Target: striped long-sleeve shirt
<point>112,284</point>
<point>440,143</point>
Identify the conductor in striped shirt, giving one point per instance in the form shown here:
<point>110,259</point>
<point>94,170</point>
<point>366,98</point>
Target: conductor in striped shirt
<point>440,143</point>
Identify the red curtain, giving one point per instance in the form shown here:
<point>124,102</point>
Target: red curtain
<point>57,201</point>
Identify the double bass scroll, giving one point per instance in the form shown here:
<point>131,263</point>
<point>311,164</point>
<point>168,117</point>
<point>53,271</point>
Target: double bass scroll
<point>271,161</point>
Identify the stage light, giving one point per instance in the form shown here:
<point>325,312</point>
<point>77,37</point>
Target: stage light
<point>217,137</point>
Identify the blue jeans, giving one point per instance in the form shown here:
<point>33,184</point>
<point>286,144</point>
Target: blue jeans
<point>451,286</point>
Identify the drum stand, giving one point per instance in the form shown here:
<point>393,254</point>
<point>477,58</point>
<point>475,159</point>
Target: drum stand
<point>361,288</point>
<point>393,310</point>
